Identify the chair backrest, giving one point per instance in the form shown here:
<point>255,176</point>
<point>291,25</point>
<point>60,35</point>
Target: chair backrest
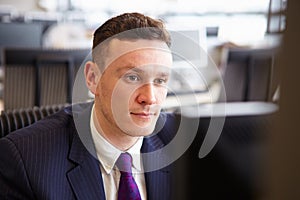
<point>39,77</point>
<point>248,74</point>
<point>16,119</point>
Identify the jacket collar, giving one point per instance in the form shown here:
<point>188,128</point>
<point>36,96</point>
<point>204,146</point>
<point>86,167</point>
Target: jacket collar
<point>158,182</point>
<point>85,178</point>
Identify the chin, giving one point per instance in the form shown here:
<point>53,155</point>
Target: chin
<point>138,130</point>
<point>137,126</point>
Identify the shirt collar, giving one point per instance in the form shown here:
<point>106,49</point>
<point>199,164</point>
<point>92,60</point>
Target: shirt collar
<point>108,154</point>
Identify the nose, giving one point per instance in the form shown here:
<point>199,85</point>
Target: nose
<point>147,94</point>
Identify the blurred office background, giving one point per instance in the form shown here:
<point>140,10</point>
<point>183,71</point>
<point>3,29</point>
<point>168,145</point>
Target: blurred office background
<point>232,33</point>
<point>43,44</point>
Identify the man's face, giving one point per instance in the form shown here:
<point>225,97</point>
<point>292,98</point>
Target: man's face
<point>133,86</point>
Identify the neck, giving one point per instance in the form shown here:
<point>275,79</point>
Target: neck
<point>113,135</point>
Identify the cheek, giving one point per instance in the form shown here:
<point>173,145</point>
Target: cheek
<point>161,94</point>
<point>122,96</point>
<point>105,91</point>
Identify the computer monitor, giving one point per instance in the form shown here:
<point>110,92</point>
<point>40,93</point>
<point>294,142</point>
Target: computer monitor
<point>189,45</point>
<point>234,167</point>
<point>189,52</point>
<point>20,34</point>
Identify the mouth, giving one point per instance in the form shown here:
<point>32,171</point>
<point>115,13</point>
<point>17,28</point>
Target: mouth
<point>143,115</point>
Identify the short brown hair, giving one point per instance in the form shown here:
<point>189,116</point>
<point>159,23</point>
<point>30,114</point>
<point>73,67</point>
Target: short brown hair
<point>140,26</point>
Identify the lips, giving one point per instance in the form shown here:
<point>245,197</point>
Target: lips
<point>144,115</point>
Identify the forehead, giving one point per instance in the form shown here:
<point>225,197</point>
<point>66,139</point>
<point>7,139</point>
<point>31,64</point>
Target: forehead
<point>138,52</point>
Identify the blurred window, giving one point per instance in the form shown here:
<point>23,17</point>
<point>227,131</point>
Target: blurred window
<point>194,6</point>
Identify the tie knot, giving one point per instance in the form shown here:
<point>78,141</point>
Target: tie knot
<point>124,162</point>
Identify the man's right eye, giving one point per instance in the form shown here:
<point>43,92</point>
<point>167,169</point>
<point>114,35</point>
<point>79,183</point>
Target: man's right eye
<point>132,78</point>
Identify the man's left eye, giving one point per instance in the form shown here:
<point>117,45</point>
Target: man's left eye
<point>160,81</point>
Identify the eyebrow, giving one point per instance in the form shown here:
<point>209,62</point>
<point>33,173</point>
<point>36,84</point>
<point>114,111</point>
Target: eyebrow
<point>137,70</point>
<point>129,67</point>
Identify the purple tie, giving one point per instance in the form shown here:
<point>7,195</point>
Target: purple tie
<point>128,189</point>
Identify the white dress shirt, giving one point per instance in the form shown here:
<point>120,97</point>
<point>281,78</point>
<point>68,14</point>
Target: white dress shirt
<point>108,155</point>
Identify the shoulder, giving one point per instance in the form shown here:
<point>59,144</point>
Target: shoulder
<point>49,137</point>
<point>169,120</point>
<point>44,141</point>
<point>55,131</point>
<point>167,126</point>
<point>56,123</point>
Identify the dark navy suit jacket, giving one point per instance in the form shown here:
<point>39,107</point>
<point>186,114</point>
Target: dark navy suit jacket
<point>48,160</point>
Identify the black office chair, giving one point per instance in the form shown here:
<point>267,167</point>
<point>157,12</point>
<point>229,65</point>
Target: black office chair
<point>16,119</point>
<point>248,75</point>
<point>18,35</point>
<point>40,77</point>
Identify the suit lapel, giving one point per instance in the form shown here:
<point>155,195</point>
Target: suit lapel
<point>85,178</point>
<point>157,182</point>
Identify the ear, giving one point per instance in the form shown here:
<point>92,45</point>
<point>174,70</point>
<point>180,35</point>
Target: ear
<point>92,76</point>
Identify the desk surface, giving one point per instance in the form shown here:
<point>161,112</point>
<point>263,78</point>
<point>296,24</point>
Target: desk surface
<point>174,102</point>
<point>229,109</point>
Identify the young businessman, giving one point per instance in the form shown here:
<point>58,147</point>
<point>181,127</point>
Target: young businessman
<point>74,154</point>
